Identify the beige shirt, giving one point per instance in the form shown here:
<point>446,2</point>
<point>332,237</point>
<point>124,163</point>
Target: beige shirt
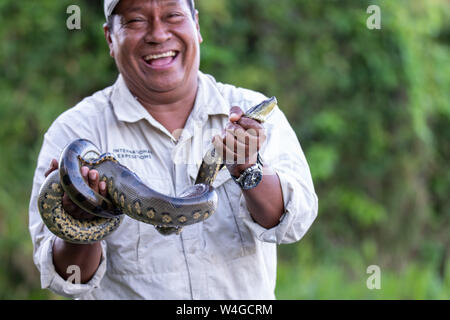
<point>228,256</point>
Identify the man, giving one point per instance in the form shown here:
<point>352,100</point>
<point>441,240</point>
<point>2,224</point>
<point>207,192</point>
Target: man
<point>156,119</point>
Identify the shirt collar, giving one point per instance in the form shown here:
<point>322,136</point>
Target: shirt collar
<point>209,101</point>
<point>126,107</point>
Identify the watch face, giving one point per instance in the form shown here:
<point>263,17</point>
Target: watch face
<point>252,179</point>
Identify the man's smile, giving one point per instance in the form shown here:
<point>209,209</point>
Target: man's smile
<point>161,60</point>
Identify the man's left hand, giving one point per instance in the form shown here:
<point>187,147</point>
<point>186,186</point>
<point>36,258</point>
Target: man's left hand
<point>240,142</point>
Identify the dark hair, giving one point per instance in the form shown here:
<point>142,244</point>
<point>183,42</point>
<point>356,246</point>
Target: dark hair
<point>110,23</point>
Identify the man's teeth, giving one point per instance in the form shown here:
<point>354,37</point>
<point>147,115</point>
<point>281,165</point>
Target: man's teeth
<point>162,55</point>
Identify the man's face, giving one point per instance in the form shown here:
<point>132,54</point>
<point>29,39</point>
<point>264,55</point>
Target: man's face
<point>155,44</point>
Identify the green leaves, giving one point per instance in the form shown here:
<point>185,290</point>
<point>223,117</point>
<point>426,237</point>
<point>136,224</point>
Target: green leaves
<point>371,109</point>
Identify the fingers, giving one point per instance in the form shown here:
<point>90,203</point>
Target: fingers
<point>237,149</point>
<point>241,139</point>
<point>237,117</point>
<point>53,167</point>
<point>249,137</point>
<point>93,179</point>
<point>241,144</point>
<point>245,129</point>
<point>250,125</point>
<point>102,188</point>
<point>235,114</point>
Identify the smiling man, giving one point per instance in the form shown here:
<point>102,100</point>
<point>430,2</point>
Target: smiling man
<point>159,67</point>
<point>162,106</point>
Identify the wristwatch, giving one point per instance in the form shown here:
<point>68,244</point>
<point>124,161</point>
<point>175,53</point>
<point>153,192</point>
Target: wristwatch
<point>251,176</point>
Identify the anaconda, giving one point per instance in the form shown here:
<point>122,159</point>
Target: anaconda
<point>127,194</point>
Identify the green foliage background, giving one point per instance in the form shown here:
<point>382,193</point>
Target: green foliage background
<point>371,109</point>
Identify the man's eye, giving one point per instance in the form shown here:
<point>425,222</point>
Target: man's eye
<point>175,16</point>
<point>134,21</point>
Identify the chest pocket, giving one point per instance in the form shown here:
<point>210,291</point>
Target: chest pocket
<point>227,237</point>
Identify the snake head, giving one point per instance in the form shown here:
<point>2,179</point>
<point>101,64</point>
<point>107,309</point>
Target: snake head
<point>262,110</point>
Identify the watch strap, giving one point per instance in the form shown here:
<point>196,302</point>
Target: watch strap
<point>258,166</point>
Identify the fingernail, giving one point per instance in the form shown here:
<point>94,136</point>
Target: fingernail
<point>234,115</point>
<point>92,175</point>
<point>102,186</point>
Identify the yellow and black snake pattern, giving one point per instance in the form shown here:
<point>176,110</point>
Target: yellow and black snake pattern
<point>127,194</point>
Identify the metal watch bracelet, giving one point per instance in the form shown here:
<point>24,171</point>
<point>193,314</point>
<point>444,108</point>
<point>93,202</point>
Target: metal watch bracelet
<point>251,176</point>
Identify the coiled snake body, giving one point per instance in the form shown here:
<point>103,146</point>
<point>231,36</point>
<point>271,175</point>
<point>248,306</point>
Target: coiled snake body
<point>127,194</point>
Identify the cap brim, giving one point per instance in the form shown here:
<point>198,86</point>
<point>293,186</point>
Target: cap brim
<point>109,6</point>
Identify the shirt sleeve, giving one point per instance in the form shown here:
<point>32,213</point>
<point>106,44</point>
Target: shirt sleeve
<point>50,279</point>
<point>55,140</point>
<point>283,153</point>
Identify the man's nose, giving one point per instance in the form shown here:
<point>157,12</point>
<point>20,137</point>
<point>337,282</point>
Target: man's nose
<point>157,33</point>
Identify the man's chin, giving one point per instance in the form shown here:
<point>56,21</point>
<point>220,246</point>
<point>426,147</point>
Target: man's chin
<point>158,83</point>
<point>160,88</point>
<point>164,83</point>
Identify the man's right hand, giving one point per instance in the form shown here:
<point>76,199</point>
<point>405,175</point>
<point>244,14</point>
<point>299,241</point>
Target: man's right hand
<point>86,256</point>
<point>92,178</point>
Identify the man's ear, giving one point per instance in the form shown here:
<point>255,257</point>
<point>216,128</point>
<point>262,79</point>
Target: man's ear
<point>197,26</point>
<point>107,32</point>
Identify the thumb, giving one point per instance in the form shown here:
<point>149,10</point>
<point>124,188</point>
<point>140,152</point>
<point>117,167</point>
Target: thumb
<point>53,167</point>
<point>235,114</point>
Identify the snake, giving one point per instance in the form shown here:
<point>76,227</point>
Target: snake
<point>127,194</point>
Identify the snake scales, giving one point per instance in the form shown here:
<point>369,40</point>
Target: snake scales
<point>127,194</point>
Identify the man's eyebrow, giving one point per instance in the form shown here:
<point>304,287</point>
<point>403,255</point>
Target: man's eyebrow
<point>171,3</point>
<point>133,9</point>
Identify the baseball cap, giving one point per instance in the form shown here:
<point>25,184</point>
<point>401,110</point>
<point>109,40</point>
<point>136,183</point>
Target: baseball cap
<point>109,6</point>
